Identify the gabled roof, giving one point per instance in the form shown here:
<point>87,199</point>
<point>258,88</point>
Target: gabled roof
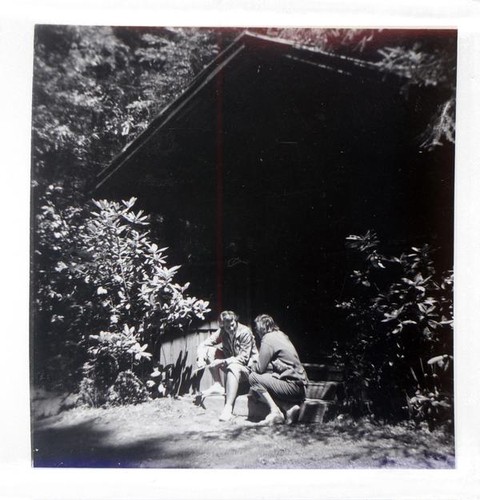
<point>301,54</point>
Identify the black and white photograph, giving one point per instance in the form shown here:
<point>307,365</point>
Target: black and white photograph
<point>239,250</point>
<point>242,247</point>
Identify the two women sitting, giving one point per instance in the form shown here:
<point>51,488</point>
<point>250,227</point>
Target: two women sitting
<point>274,372</point>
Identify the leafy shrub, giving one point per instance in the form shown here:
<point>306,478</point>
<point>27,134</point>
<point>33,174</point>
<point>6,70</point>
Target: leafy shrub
<point>160,382</point>
<point>89,395</point>
<point>102,289</point>
<point>433,400</point>
<point>400,311</point>
<point>127,389</point>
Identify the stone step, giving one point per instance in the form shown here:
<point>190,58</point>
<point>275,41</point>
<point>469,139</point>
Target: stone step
<point>327,390</point>
<point>311,411</point>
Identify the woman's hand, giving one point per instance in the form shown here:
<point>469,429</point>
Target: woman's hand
<point>279,366</point>
<point>217,362</point>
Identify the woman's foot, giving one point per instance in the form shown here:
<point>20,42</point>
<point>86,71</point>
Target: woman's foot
<point>226,414</point>
<point>291,415</point>
<point>273,418</point>
<point>215,390</point>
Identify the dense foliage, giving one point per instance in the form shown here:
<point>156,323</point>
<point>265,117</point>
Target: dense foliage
<point>96,88</point>
<point>102,294</point>
<point>398,359</point>
<point>103,290</point>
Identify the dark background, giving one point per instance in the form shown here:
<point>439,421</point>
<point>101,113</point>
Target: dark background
<point>261,177</point>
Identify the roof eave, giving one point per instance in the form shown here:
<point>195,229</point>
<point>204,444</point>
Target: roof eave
<point>288,49</point>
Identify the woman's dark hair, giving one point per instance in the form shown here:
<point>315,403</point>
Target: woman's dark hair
<point>264,324</point>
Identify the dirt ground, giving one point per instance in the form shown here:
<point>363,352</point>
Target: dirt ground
<point>174,433</point>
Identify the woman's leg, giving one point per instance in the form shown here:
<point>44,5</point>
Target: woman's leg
<point>211,355</point>
<point>290,410</point>
<point>275,416</point>
<point>235,373</point>
<point>270,389</point>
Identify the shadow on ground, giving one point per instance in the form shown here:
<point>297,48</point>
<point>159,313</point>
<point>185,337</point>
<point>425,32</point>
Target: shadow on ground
<point>168,434</point>
<point>85,445</point>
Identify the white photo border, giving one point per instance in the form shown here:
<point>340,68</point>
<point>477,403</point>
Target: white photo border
<point>19,479</point>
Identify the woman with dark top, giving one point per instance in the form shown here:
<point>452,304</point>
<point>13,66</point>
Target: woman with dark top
<point>278,377</point>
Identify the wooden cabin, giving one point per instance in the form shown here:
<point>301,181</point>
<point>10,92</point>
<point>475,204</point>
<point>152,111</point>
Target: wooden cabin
<point>271,157</point>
